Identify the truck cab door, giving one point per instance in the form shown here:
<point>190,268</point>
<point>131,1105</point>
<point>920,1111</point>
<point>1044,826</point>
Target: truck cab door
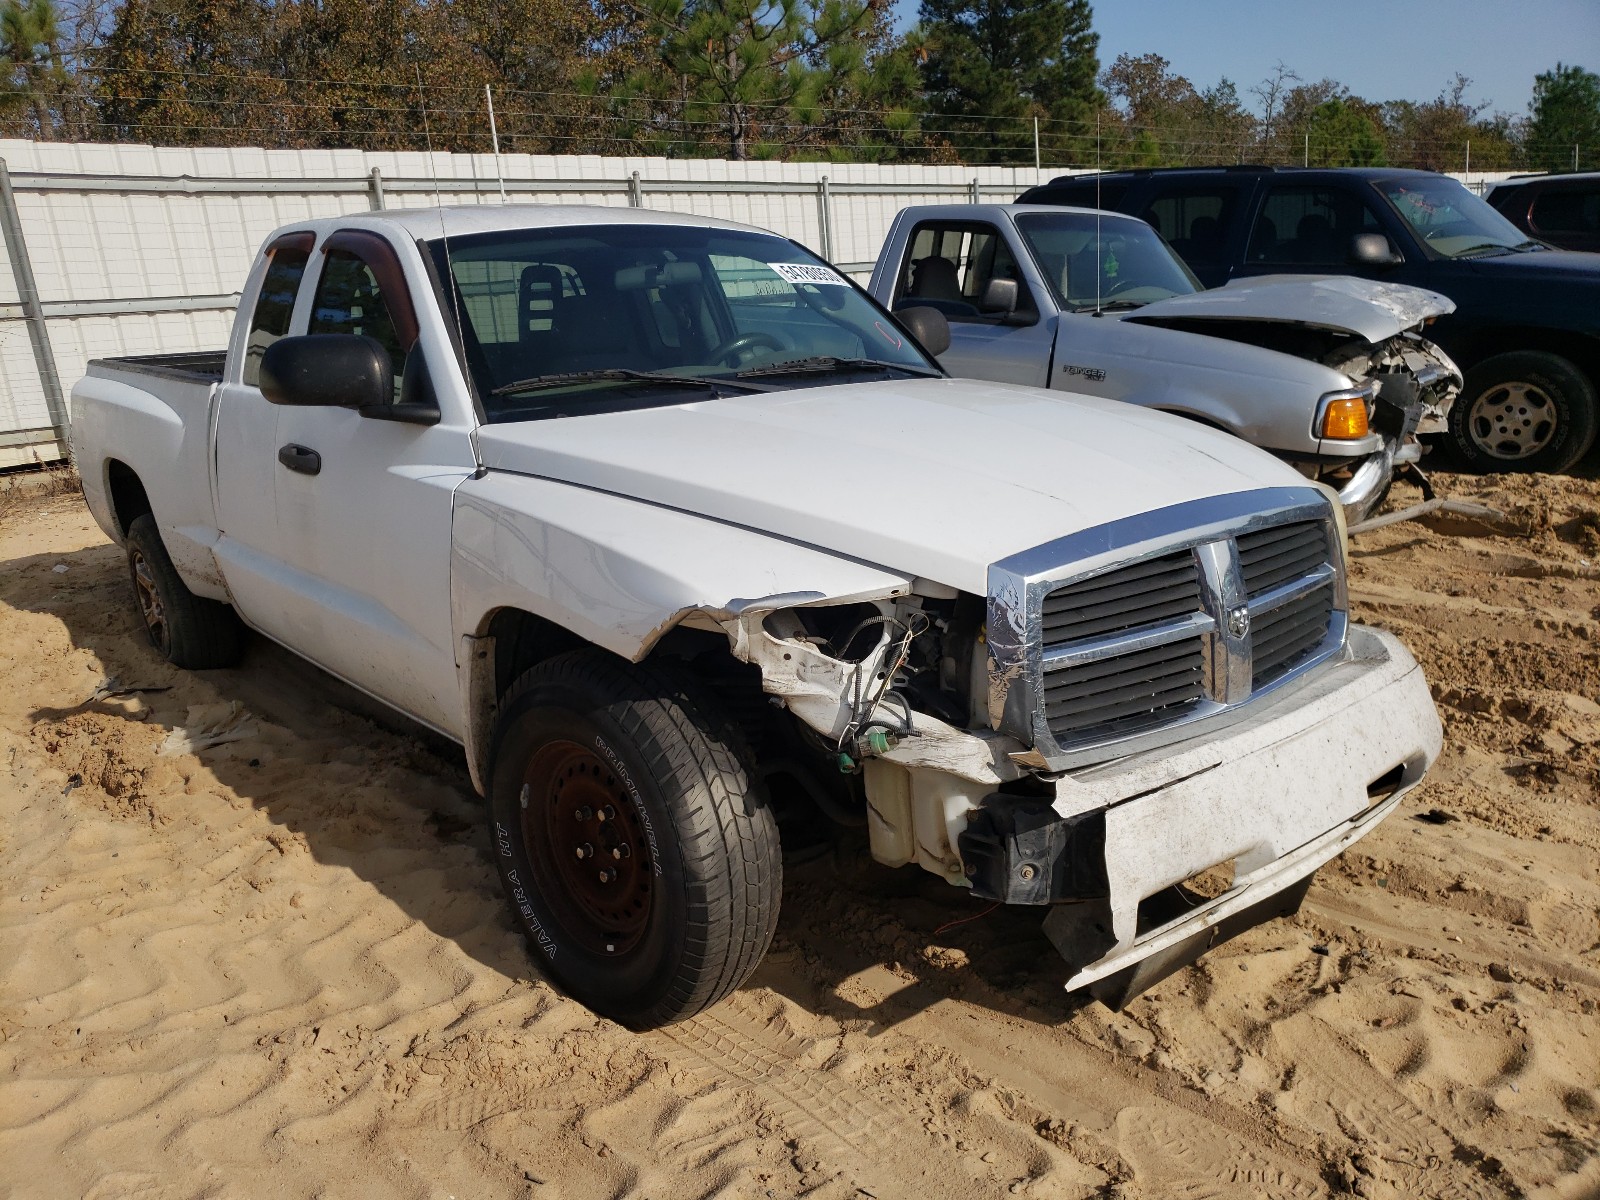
<point>363,503</point>
<point>1308,229</point>
<point>950,265</point>
<point>245,448</point>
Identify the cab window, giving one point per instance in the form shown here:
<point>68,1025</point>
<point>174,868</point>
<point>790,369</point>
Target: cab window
<point>274,307</point>
<point>1194,221</point>
<point>1567,211</point>
<point>348,300</point>
<point>1309,226</point>
<point>950,266</point>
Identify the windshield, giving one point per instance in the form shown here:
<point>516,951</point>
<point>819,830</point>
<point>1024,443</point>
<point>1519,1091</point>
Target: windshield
<point>1451,220</point>
<point>1105,261</point>
<point>558,322</point>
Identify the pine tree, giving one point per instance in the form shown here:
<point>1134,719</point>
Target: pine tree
<point>1566,119</point>
<point>994,65</point>
<point>33,75</point>
<point>741,64</point>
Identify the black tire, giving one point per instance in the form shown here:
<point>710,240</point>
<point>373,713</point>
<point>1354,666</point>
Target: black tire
<point>693,900</point>
<point>189,631</point>
<point>1524,411</point>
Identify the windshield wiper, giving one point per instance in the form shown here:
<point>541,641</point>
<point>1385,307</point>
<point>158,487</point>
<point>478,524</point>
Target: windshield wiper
<point>1111,306</point>
<point>1483,247</point>
<point>828,362</point>
<point>621,375</point>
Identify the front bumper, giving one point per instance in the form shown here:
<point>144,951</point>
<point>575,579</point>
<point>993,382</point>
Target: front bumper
<point>1278,795</point>
<point>1369,482</point>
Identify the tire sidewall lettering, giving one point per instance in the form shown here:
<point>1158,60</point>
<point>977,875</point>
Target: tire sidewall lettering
<point>520,898</point>
<point>626,776</point>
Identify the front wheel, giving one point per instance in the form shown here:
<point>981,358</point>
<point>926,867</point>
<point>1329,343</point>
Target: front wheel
<point>637,854</point>
<point>1524,411</point>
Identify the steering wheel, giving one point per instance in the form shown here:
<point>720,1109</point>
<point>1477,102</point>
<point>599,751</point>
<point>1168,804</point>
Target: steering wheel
<point>746,341</point>
<point>1123,285</point>
<point>1450,229</point>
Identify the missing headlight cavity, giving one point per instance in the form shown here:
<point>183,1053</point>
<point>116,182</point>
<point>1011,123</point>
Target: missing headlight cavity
<point>847,632</point>
<point>1173,902</point>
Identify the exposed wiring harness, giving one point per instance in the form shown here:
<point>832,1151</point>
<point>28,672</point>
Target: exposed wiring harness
<point>863,703</point>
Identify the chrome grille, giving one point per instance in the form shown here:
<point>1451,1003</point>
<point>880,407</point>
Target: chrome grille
<point>1112,683</point>
<point>1224,598</point>
<point>1269,558</point>
<point>1142,594</point>
<point>1123,694</point>
<point>1285,634</point>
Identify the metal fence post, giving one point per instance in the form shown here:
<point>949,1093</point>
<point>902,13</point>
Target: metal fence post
<point>38,332</point>
<point>375,186</point>
<point>977,191</point>
<point>825,217</point>
<point>635,191</point>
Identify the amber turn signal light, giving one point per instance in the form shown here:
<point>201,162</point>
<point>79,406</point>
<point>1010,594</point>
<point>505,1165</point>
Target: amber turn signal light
<point>1345,418</point>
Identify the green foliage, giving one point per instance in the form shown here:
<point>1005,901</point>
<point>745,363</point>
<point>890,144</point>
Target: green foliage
<point>1340,135</point>
<point>737,66</point>
<point>823,79</point>
<point>31,71</point>
<point>989,68</point>
<point>1566,117</point>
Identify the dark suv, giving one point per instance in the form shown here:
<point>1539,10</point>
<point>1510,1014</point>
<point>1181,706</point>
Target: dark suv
<point>1527,323</point>
<point>1563,210</point>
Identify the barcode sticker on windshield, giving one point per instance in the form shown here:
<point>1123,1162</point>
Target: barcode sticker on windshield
<point>807,273</point>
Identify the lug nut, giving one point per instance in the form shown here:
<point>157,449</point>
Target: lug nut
<point>586,851</point>
<point>607,874</point>
<point>608,813</point>
<point>621,851</point>
<point>583,813</point>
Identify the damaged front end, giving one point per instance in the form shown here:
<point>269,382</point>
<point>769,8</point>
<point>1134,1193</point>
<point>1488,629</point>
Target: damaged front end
<point>1127,708</point>
<point>1401,388</point>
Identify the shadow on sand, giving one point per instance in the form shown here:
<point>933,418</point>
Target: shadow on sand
<point>857,942</point>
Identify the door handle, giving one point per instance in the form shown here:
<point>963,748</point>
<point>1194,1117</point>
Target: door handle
<point>303,459</point>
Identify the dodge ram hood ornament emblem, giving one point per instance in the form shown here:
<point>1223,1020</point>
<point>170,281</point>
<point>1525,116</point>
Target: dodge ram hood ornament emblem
<point>1238,622</point>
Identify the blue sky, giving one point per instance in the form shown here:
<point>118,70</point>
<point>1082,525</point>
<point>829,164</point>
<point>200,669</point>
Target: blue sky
<point>1380,49</point>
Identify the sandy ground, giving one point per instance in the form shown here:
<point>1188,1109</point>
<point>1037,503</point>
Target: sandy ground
<point>279,967</point>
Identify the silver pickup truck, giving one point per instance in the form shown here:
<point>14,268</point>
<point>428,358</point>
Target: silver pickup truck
<point>1331,374</point>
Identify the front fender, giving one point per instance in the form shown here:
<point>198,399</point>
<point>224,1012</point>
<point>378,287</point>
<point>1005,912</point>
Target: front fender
<point>619,573</point>
<point>1264,396</point>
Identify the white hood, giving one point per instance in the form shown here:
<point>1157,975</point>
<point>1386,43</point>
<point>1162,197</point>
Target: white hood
<point>934,478</point>
<point>1342,303</point>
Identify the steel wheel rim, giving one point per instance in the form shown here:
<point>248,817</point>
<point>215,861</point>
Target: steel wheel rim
<point>150,606</point>
<point>1513,420</point>
<point>588,848</point>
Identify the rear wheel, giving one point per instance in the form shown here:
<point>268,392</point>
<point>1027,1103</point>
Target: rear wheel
<point>1525,411</point>
<point>636,851</point>
<point>188,630</point>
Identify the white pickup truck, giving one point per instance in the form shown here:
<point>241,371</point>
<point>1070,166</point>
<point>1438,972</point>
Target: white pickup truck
<point>1331,374</point>
<point>678,533</point>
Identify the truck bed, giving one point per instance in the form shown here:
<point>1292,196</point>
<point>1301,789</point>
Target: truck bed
<point>201,366</point>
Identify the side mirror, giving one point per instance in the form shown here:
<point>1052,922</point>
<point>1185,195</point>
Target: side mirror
<point>1372,250</point>
<point>999,296</point>
<point>928,325</point>
<point>418,403</point>
<point>327,370</point>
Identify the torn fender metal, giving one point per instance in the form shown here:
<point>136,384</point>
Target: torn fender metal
<point>1341,303</point>
<point>1278,796</point>
<point>820,690</point>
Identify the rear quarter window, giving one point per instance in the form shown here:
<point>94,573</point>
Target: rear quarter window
<point>274,308</point>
